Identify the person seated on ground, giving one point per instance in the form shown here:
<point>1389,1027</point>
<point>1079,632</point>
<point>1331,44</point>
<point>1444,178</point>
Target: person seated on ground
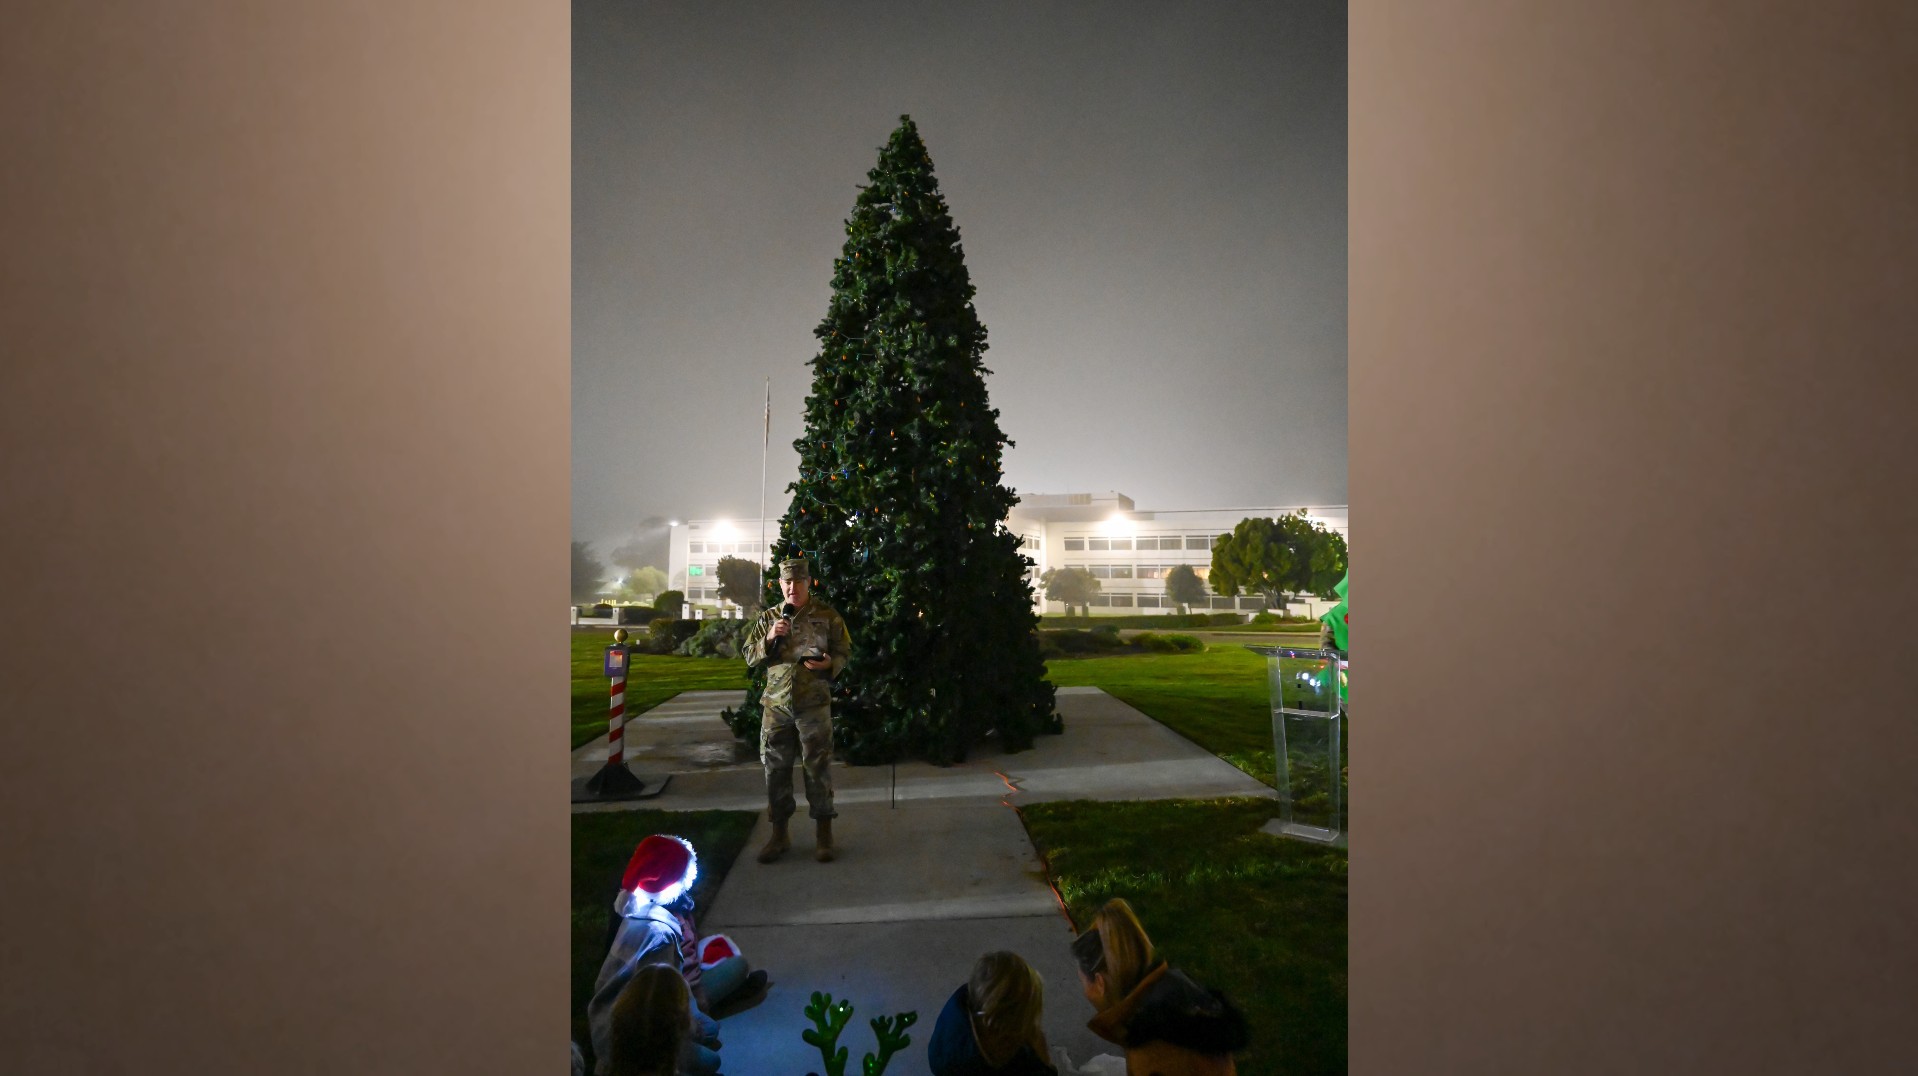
<point>1168,1024</point>
<point>654,926</point>
<point>650,1025</point>
<point>990,1025</point>
<point>715,970</point>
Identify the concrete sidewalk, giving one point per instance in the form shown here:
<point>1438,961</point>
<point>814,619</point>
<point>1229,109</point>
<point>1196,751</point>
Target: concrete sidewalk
<point>934,869</point>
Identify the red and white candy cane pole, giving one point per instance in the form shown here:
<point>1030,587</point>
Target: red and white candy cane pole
<point>614,780</point>
<point>616,720</point>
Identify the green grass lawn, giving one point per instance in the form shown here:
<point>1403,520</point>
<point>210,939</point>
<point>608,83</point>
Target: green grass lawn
<point>651,680</point>
<point>602,843</point>
<point>1260,918</point>
<point>1311,628</point>
<point>1218,699</point>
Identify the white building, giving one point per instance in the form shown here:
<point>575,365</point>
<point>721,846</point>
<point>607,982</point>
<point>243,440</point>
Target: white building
<point>1126,549</point>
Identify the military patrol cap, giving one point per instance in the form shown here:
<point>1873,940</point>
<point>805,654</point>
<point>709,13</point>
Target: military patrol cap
<point>794,569</point>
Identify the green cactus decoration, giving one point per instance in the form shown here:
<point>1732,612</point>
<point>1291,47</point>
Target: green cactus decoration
<point>891,1033</point>
<point>828,1021</point>
<point>830,1018</point>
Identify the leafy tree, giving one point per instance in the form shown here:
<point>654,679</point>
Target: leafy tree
<point>1326,566</point>
<point>1073,586</point>
<point>646,580</point>
<point>642,584</point>
<point>1184,587</point>
<point>670,603</point>
<point>1276,557</point>
<point>588,572</point>
<point>899,502</point>
<point>740,581</point>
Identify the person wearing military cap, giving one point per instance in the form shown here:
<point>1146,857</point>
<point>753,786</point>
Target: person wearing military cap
<point>802,645</point>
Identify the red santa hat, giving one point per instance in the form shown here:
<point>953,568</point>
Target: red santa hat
<point>714,949</point>
<point>661,870</point>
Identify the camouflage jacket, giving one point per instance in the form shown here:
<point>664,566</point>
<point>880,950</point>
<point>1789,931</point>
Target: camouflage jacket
<point>791,686</point>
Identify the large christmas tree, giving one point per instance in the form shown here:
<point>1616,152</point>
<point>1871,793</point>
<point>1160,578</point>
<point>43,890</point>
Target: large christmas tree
<point>899,505</point>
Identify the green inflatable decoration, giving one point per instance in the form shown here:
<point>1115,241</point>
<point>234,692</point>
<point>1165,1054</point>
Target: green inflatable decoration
<point>1336,619</point>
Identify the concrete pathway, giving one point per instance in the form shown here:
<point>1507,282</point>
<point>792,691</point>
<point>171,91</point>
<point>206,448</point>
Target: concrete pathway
<point>934,869</point>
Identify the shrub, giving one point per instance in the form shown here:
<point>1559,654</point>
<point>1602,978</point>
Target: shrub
<point>670,603</point>
<point>668,633</point>
<point>1066,641</point>
<point>637,614</point>
<point>1264,618</point>
<point>1154,642</point>
<point>1106,629</point>
<point>1076,642</point>
<point>1147,621</point>
<point>712,639</point>
<point>1157,643</point>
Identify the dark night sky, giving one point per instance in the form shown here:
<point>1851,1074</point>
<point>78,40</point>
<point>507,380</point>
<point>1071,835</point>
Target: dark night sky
<point>1151,199</point>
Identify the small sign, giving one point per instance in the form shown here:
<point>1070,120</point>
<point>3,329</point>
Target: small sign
<point>695,570</point>
<point>615,662</point>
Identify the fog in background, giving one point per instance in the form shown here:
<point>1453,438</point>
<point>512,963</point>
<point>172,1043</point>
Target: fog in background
<point>1151,199</point>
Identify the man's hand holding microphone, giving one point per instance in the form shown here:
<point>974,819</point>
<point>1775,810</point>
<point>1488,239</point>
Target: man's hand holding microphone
<point>782,628</point>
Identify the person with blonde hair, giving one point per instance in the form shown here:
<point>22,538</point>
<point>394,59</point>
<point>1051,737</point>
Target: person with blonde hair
<point>651,1026</point>
<point>1168,1024</point>
<point>990,1025</point>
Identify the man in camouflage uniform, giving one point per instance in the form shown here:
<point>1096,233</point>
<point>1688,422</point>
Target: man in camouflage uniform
<point>802,646</point>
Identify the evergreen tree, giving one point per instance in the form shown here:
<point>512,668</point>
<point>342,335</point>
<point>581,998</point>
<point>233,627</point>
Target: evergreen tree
<point>899,506</point>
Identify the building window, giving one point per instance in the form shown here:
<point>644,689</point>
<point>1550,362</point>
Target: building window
<point>1075,545</point>
<point>1198,541</point>
<point>696,547</point>
<point>1147,601</point>
<point>1122,544</point>
<point>1122,601</point>
<point>1221,603</point>
<point>1100,571</point>
<point>1252,603</point>
<point>1151,571</point>
<point>1122,571</point>
<point>1103,601</point>
<point>1098,544</point>
<point>1201,570</point>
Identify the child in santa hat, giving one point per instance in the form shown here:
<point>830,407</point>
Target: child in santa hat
<point>654,912</point>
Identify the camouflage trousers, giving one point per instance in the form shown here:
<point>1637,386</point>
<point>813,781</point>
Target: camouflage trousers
<point>783,739</point>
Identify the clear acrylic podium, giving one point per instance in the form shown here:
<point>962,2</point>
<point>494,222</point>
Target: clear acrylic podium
<point>1307,695</point>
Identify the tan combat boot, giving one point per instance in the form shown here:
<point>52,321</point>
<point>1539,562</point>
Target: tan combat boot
<point>823,853</point>
<point>776,844</point>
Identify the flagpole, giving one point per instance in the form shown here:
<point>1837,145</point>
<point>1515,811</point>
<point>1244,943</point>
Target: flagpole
<point>763,450</point>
